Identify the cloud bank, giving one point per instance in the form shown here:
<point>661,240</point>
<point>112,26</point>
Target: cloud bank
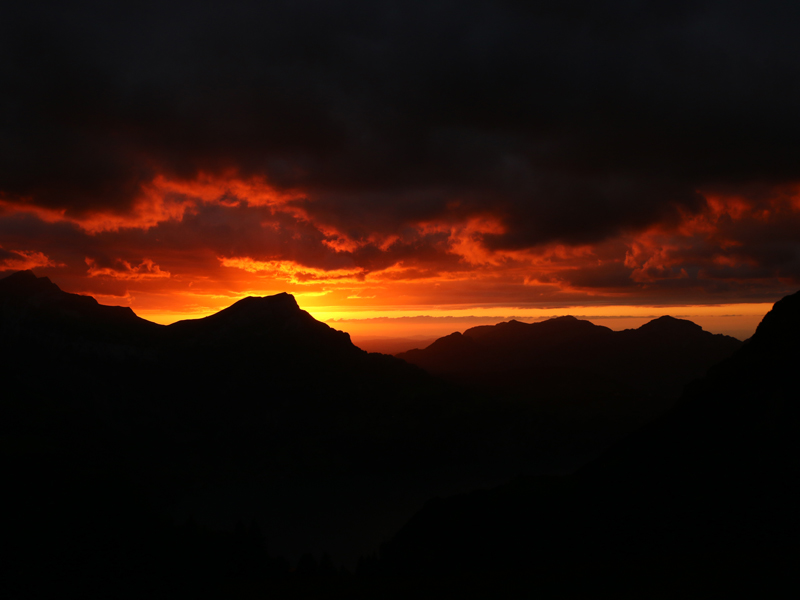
<point>414,152</point>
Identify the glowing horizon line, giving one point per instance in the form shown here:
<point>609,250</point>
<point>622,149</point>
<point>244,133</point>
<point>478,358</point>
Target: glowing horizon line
<point>625,311</point>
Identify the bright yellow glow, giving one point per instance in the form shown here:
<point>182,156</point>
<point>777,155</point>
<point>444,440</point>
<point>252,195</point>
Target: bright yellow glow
<point>324,313</point>
<point>738,320</point>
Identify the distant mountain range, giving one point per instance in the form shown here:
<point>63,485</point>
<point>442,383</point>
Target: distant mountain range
<point>546,358</point>
<point>112,427</point>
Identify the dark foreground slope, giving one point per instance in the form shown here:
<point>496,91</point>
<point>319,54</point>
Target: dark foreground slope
<point>708,492</point>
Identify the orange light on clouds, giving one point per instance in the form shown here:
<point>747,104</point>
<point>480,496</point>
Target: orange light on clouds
<point>164,199</point>
<point>189,248</point>
<point>292,272</point>
<point>146,270</point>
<point>26,259</point>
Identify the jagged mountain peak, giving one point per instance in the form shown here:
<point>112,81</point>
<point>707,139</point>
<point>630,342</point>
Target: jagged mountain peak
<point>35,313</point>
<point>253,311</point>
<point>26,283</point>
<point>26,275</point>
<point>277,317</point>
<point>24,289</point>
<point>283,300</point>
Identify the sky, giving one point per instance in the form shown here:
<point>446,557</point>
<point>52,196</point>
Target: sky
<point>402,159</point>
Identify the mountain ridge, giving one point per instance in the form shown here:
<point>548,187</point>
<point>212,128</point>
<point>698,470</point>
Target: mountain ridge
<point>218,419</point>
<point>660,357</point>
<point>204,414</point>
<point>25,286</point>
<point>30,301</point>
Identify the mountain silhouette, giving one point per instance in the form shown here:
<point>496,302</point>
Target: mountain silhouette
<point>709,492</point>
<point>38,310</point>
<point>35,310</point>
<point>115,428</point>
<point>277,319</point>
<point>659,358</point>
<point>256,411</point>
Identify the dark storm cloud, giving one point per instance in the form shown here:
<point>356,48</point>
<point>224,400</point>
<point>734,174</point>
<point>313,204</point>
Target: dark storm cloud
<point>572,121</point>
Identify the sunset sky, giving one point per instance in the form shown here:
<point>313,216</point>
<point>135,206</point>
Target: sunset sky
<point>465,161</point>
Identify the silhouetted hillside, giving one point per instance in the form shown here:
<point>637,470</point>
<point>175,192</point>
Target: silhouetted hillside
<point>35,311</point>
<point>119,436</point>
<point>114,429</point>
<point>707,492</point>
<point>112,426</point>
<point>534,359</point>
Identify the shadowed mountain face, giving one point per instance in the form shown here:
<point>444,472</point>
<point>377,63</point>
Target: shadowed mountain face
<point>659,358</point>
<point>257,411</point>
<point>710,488</point>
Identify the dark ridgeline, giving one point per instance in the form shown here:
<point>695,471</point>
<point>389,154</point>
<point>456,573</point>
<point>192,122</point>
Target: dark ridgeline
<point>113,427</point>
<point>707,494</point>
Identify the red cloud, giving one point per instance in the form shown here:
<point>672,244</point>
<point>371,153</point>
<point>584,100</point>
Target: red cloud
<point>124,270</point>
<point>218,246</point>
<point>19,260</point>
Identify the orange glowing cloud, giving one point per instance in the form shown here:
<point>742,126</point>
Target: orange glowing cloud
<point>164,199</point>
<point>293,272</point>
<point>466,240</point>
<point>226,189</point>
<point>18,260</point>
<point>190,248</point>
<point>124,270</point>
